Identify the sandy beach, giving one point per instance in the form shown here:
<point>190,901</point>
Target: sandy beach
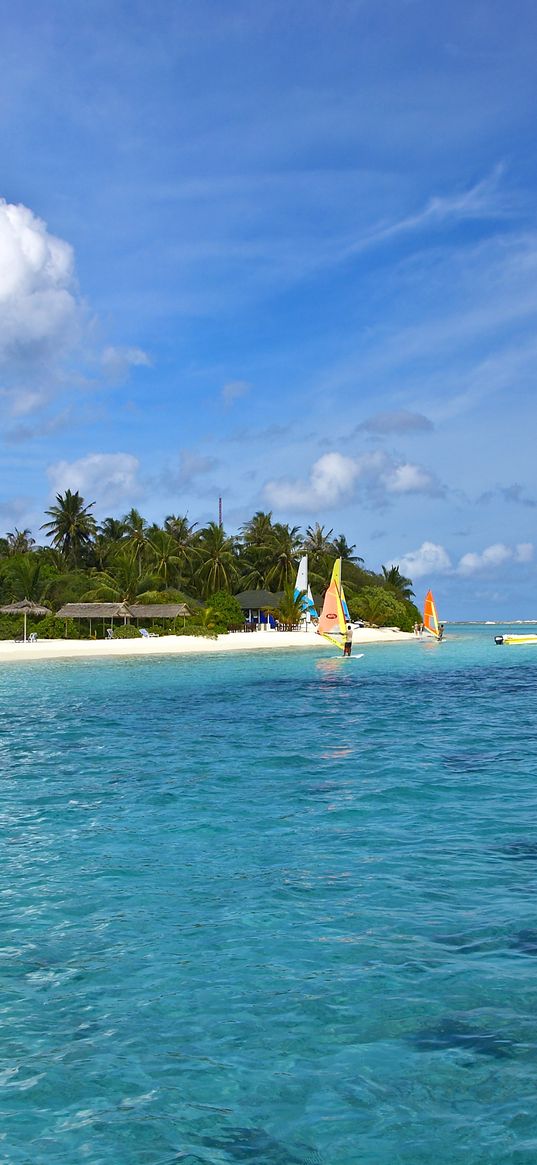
<point>185,645</point>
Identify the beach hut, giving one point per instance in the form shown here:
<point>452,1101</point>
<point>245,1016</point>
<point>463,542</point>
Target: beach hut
<point>257,606</point>
<point>159,611</point>
<point>25,607</point>
<point>93,611</point>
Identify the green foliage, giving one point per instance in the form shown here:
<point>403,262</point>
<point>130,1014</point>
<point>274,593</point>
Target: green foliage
<point>381,607</point>
<point>290,610</point>
<point>225,610</point>
<point>197,629</point>
<point>397,582</point>
<point>50,627</point>
<point>11,626</point>
<point>126,632</point>
<point>127,559</point>
<point>72,526</point>
<point>25,576</point>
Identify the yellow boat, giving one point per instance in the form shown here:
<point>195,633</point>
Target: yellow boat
<point>512,640</point>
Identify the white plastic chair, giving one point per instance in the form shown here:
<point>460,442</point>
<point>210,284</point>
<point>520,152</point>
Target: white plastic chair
<point>32,638</point>
<point>147,634</point>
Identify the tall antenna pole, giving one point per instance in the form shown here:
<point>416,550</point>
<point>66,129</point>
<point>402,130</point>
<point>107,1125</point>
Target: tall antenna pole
<point>220,518</point>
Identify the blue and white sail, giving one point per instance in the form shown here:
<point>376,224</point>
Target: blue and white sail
<point>302,584</point>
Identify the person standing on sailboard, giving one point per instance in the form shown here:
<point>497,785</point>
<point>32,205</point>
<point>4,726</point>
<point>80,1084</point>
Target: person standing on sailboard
<point>347,648</point>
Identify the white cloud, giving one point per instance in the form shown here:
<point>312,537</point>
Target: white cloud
<point>429,559</point>
<point>117,361</point>
<point>489,558</point>
<point>331,480</point>
<point>233,391</point>
<point>334,478</point>
<point>432,558</point>
<point>107,478</point>
<point>23,402</point>
<point>408,478</point>
<point>38,305</point>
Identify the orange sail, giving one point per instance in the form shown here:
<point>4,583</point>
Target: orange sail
<point>335,613</point>
<point>430,616</point>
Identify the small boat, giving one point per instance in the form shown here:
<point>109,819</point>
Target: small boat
<point>302,587</point>
<point>512,640</point>
<point>430,618</point>
<point>335,621</point>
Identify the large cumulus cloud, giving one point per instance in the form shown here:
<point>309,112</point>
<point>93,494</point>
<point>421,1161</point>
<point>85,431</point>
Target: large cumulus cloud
<point>39,306</point>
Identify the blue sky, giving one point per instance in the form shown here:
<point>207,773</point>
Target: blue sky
<point>286,253</point>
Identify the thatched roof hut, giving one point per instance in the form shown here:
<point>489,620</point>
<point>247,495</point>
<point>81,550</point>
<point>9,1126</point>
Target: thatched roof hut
<point>94,611</point>
<point>25,607</point>
<point>259,600</point>
<point>159,610</point>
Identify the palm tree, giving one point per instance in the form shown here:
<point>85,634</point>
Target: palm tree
<point>113,529</point>
<point>343,550</point>
<point>319,548</point>
<point>291,608</point>
<point>218,565</point>
<point>72,527</point>
<point>253,566</point>
<point>161,551</point>
<point>258,531</point>
<point>136,528</point>
<point>397,582</point>
<point>285,547</point>
<point>180,528</point>
<point>317,541</point>
<point>25,578</point>
<point>121,583</point>
<point>20,541</point>
<point>183,533</point>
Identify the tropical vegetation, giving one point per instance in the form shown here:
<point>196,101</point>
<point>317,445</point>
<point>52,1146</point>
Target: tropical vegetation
<point>128,559</point>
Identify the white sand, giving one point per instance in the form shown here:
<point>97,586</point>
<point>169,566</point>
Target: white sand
<point>185,645</point>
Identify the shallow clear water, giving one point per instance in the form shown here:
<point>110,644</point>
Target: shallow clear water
<point>272,909</point>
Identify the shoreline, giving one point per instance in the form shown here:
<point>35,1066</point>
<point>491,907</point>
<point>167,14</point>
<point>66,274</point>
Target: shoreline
<point>11,652</point>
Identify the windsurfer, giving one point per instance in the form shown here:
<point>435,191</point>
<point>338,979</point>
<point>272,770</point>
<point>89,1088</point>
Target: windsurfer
<point>347,648</point>
<point>440,631</point>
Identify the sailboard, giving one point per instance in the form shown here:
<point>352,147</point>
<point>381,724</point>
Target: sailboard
<point>334,616</point>
<point>430,616</point>
<point>303,588</point>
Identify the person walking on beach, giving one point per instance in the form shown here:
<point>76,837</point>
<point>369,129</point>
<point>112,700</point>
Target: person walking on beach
<point>348,640</point>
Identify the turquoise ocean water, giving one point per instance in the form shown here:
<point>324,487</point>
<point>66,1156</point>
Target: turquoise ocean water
<point>271,909</point>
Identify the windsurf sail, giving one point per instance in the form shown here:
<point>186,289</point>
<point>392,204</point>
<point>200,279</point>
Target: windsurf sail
<point>302,587</point>
<point>430,616</point>
<point>334,616</point>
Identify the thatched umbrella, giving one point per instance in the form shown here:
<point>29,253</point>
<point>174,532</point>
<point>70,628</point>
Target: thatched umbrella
<point>25,607</point>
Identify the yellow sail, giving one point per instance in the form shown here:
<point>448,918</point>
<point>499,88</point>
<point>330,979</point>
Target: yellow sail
<point>430,616</point>
<point>335,613</point>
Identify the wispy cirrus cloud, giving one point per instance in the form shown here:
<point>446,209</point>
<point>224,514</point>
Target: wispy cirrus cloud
<point>514,494</point>
<point>396,421</point>
<point>483,199</point>
<point>234,390</point>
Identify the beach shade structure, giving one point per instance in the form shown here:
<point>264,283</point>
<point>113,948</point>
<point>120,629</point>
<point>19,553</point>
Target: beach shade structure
<point>257,605</point>
<point>25,607</point>
<point>159,611</point>
<point>95,611</point>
